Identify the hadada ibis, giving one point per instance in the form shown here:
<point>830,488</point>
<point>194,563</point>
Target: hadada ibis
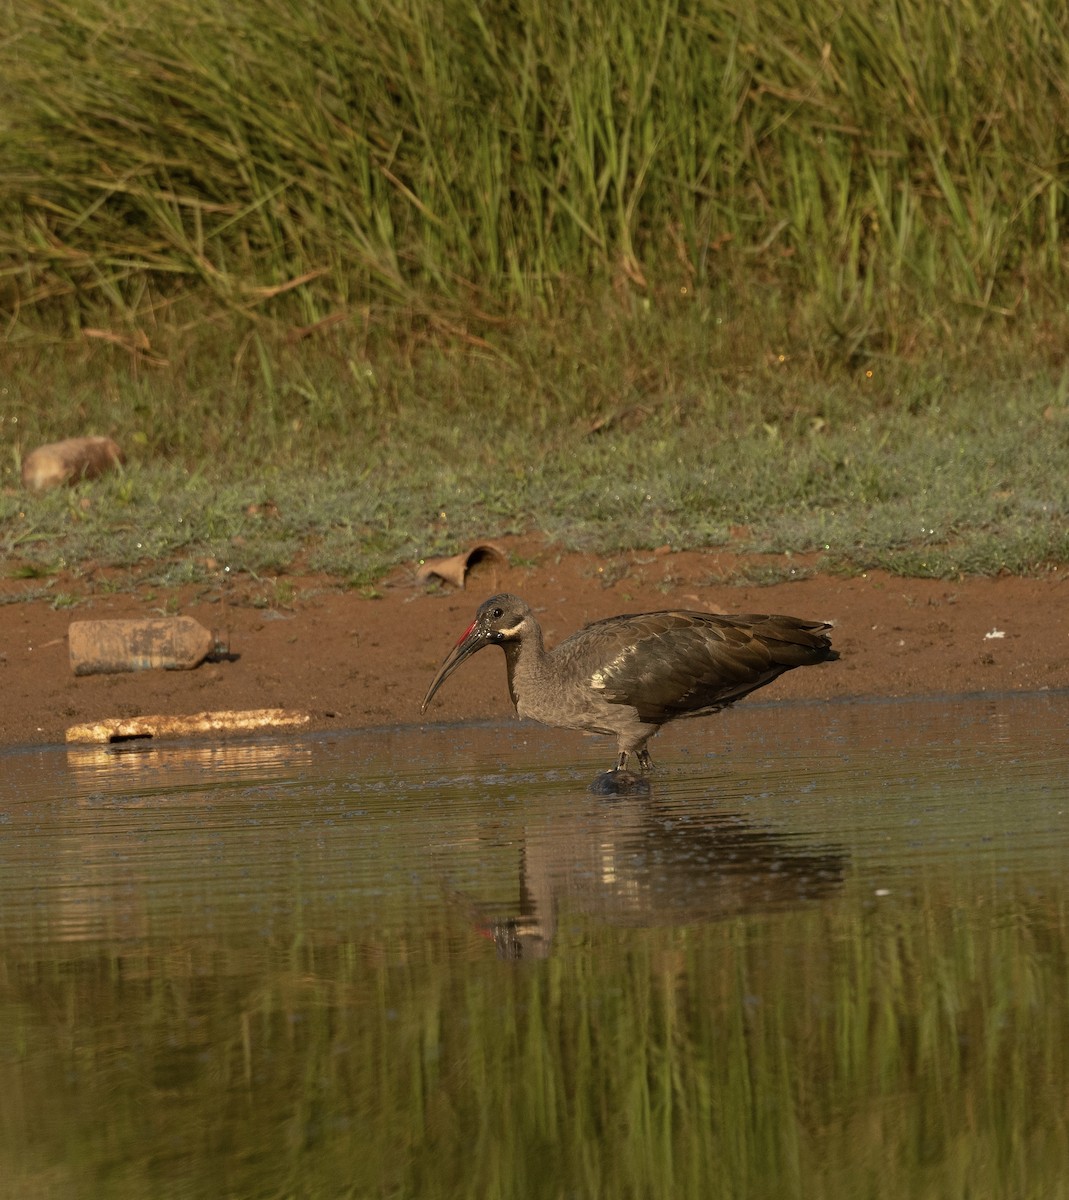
<point>627,676</point>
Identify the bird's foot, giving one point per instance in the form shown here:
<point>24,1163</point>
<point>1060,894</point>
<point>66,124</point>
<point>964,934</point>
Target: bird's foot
<point>644,761</point>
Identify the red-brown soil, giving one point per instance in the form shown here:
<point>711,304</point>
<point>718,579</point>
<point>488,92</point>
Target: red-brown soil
<point>353,662</point>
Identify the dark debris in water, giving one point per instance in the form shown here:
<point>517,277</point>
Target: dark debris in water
<point>620,783</point>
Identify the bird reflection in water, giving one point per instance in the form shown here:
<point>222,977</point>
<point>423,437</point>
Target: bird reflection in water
<point>656,865</point>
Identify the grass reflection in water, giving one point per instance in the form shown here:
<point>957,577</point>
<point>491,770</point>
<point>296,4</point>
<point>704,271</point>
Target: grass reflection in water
<point>685,998</point>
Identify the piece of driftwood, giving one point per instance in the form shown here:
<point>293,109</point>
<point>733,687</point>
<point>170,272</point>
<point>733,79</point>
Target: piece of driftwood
<point>455,568</point>
<point>69,462</point>
<point>122,729</point>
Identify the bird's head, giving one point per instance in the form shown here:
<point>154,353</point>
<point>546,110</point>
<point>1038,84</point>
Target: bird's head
<point>500,620</point>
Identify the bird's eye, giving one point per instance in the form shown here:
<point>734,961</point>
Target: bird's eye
<point>497,614</point>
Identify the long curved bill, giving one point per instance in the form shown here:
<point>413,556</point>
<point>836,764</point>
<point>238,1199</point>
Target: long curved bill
<point>472,639</point>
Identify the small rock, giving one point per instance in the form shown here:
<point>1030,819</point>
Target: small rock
<point>69,461</point>
<point>620,783</point>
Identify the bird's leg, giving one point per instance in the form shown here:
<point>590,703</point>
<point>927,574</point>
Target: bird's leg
<point>643,756</point>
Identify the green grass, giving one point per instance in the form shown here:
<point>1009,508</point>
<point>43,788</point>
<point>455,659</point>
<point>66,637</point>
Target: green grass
<point>456,161</point>
<point>627,282</point>
<point>968,476</point>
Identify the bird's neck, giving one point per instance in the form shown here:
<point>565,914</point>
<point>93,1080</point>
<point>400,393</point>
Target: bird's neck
<point>525,660</point>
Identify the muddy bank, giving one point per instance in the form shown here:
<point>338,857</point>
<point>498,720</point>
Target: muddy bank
<point>356,662</point>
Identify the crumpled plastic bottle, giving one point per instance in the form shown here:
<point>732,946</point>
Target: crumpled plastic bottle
<point>142,644</point>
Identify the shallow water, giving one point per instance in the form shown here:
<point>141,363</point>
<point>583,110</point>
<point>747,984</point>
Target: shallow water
<point>827,955</point>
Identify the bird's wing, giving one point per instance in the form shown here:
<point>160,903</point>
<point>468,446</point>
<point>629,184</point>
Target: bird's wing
<point>673,664</point>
